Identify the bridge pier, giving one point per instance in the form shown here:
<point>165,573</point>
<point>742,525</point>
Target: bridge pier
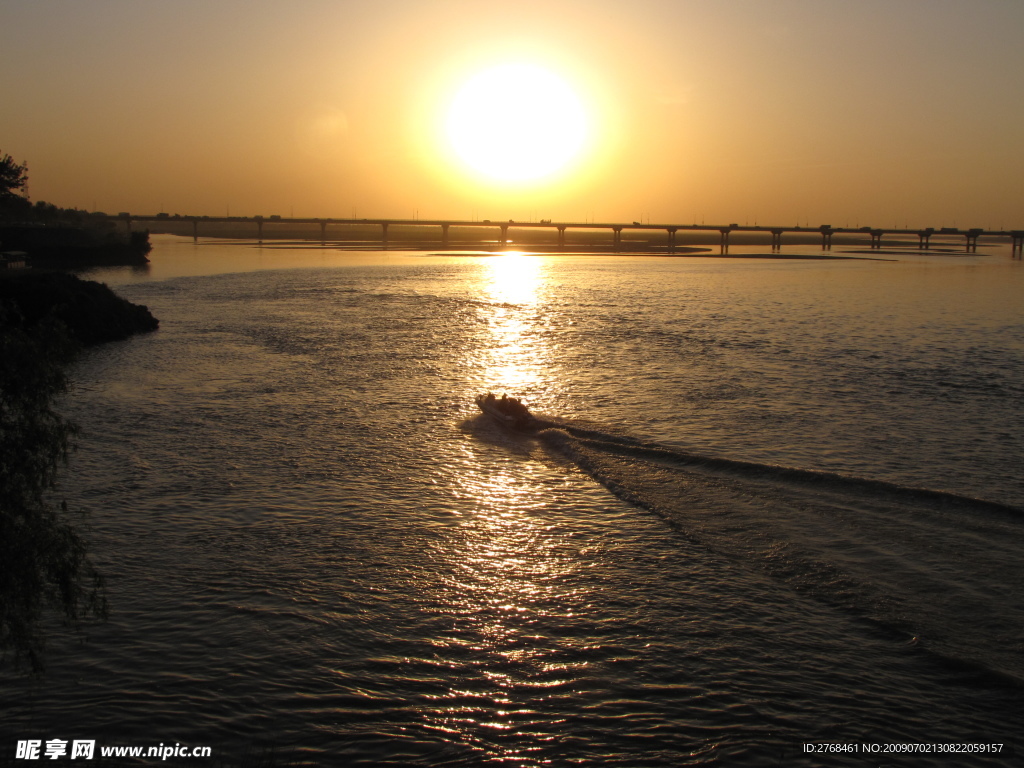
<point>924,239</point>
<point>671,239</point>
<point>384,234</point>
<point>826,239</point>
<point>504,235</point>
<point>323,232</point>
<point>617,238</point>
<point>1018,244</point>
<point>259,229</point>
<point>195,230</point>
<point>444,235</point>
<point>972,239</point>
<point>724,244</point>
<point>876,239</point>
<point>561,237</point>
<point>776,240</point>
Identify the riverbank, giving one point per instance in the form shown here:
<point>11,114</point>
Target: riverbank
<point>75,247</point>
<point>46,318</point>
<point>90,312</point>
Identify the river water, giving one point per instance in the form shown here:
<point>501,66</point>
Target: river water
<point>779,503</point>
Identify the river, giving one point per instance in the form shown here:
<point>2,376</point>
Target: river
<point>780,506</point>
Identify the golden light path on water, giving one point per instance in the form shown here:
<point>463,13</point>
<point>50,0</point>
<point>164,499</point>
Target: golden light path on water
<point>514,358</point>
<point>505,567</point>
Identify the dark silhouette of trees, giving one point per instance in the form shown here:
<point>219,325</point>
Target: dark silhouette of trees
<point>14,205</point>
<point>45,319</point>
<point>60,237</point>
<point>13,178</point>
<point>43,561</point>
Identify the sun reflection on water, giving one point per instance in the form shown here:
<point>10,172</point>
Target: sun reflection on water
<point>515,278</point>
<point>508,581</point>
<point>515,355</point>
<point>508,588</point>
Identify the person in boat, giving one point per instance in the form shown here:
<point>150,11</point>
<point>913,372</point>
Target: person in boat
<point>510,407</point>
<point>513,406</point>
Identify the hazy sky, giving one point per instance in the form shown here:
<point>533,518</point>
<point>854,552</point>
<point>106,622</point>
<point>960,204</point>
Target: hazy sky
<point>875,112</point>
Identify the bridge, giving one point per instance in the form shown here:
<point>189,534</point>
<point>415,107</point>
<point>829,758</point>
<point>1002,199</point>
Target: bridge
<point>825,231</point>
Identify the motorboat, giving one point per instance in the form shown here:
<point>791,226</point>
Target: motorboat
<point>507,411</point>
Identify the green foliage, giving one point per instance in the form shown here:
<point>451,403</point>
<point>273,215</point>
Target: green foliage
<point>43,559</point>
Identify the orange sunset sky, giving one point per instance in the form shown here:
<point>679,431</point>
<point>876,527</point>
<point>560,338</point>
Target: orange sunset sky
<point>850,113</point>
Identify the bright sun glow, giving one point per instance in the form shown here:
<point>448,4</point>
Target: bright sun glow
<point>517,122</point>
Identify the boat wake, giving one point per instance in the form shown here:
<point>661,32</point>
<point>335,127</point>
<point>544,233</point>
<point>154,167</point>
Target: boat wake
<point>938,568</point>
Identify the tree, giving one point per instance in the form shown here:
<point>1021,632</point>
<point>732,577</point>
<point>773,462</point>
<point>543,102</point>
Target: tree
<point>44,563</point>
<point>13,178</point>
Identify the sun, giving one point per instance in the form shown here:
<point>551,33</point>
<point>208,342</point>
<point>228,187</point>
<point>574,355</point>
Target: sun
<point>517,123</point>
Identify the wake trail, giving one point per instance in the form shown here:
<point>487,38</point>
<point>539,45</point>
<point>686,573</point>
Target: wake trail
<point>938,567</point>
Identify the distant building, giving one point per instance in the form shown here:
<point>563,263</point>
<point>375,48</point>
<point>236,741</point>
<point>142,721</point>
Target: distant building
<point>13,260</point>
